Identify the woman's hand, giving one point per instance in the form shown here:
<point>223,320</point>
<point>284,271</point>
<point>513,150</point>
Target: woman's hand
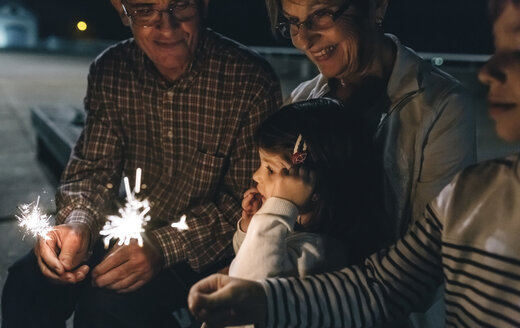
<point>295,185</point>
<point>250,204</point>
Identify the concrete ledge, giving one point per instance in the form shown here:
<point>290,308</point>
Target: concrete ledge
<point>57,128</point>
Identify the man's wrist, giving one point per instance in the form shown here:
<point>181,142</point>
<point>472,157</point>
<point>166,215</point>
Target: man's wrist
<point>156,247</point>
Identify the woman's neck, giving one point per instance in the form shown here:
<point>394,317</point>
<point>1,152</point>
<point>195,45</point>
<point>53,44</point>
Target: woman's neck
<point>379,67</point>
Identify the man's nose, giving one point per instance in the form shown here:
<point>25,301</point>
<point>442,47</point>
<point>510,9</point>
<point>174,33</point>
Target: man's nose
<point>167,20</point>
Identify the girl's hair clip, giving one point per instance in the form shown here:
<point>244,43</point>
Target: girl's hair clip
<point>300,151</point>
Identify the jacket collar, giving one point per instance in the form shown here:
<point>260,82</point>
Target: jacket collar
<point>405,77</point>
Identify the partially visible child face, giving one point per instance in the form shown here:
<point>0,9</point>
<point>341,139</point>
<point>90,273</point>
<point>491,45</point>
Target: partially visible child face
<point>502,74</point>
<point>270,163</point>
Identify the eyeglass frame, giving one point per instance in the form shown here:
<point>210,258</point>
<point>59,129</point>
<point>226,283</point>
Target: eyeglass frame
<point>335,15</point>
<point>169,10</point>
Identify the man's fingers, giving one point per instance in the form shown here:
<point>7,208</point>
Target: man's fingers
<point>119,280</point>
<point>111,261</point>
<point>70,249</point>
<point>48,257</point>
<point>135,286</point>
<point>78,274</point>
<point>47,272</point>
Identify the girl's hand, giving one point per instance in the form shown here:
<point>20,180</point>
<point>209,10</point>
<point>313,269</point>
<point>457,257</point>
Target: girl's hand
<point>295,185</point>
<point>250,204</point>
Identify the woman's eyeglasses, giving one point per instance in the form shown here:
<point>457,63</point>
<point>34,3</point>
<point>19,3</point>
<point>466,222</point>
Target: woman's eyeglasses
<point>319,20</point>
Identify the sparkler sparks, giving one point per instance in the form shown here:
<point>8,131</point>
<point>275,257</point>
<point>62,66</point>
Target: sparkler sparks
<point>181,225</point>
<point>132,218</point>
<point>33,221</point>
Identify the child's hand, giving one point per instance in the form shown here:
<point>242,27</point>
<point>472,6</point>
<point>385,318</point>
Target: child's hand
<point>295,185</point>
<point>250,204</point>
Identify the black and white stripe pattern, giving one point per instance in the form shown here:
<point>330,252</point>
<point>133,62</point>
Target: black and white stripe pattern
<point>475,257</point>
<point>386,287</point>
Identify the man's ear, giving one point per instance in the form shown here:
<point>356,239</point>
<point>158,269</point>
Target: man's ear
<point>118,6</point>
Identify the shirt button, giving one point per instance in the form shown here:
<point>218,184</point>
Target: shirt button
<point>170,134</point>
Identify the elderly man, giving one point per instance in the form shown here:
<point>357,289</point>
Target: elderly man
<point>180,102</point>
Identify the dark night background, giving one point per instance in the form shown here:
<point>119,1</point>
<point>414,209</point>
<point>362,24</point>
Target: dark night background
<point>451,26</point>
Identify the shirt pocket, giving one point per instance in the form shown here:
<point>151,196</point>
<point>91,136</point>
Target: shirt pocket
<point>202,178</point>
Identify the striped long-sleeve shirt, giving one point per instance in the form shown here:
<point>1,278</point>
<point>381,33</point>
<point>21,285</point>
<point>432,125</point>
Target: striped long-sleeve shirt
<point>468,238</point>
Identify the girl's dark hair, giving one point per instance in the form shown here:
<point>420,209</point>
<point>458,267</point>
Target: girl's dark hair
<point>347,172</point>
<point>496,7</point>
<point>274,10</point>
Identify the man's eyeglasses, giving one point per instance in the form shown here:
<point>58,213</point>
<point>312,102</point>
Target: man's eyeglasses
<point>318,20</point>
<point>147,16</point>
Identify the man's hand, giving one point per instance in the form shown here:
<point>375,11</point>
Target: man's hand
<point>295,185</point>
<point>60,256</point>
<point>128,267</point>
<point>251,203</point>
<point>220,301</point>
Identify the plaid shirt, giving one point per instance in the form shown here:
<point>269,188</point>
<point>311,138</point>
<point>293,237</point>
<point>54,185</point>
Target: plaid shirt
<point>192,138</point>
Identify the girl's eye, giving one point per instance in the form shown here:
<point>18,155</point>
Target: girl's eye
<point>269,170</point>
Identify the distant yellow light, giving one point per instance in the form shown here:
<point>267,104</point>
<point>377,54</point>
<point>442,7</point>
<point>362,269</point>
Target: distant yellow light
<point>82,26</point>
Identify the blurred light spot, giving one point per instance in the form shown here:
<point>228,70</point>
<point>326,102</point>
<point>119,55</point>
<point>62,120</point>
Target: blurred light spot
<point>437,61</point>
<point>82,26</point>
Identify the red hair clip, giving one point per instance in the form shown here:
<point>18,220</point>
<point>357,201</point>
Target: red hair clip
<point>300,151</point>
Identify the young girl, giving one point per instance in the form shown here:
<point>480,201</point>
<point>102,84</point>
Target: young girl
<point>339,225</point>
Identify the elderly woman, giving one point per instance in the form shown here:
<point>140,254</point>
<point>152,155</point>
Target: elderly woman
<point>420,118</point>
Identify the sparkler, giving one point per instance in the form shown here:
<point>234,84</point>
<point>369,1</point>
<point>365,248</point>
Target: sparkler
<point>33,221</point>
<point>181,225</point>
<point>132,217</point>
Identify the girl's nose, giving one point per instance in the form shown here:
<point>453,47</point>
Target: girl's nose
<point>256,176</point>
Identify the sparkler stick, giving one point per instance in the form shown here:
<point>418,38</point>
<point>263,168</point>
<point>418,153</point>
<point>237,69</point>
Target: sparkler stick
<point>137,187</point>
<point>33,221</point>
<point>132,217</point>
